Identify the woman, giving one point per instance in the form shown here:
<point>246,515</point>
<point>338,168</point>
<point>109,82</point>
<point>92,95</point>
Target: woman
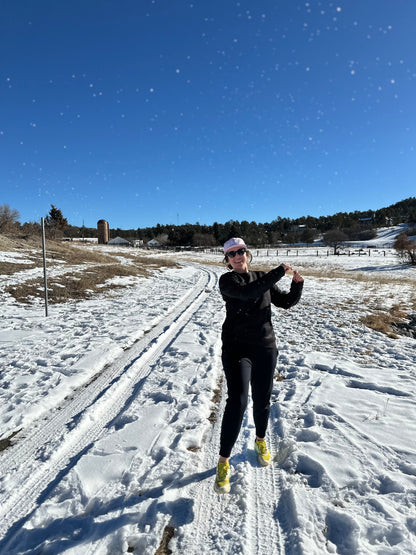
<point>249,352</point>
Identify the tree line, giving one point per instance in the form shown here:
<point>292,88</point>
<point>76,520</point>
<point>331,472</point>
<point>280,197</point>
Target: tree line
<point>358,225</point>
<point>354,226</point>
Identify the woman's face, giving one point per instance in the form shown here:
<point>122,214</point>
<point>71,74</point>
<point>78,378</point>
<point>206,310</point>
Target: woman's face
<point>239,261</point>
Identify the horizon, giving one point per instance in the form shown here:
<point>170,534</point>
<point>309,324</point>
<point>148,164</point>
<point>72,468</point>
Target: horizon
<point>223,223</point>
<point>216,222</point>
<point>153,113</point>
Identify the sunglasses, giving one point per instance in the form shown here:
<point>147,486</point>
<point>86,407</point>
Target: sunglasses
<point>240,252</point>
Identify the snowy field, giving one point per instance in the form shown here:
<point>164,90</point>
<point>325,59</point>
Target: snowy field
<point>110,412</point>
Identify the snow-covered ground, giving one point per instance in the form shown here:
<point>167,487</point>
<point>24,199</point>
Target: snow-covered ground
<point>116,404</point>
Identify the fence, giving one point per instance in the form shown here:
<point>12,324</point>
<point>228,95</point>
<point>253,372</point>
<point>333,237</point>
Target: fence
<point>321,252</point>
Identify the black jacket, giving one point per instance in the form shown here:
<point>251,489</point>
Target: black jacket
<point>248,299</point>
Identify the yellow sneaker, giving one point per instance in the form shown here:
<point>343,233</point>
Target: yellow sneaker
<point>263,454</point>
<point>222,479</point>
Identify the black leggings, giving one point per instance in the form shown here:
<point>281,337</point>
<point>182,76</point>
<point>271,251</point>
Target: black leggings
<point>242,366</point>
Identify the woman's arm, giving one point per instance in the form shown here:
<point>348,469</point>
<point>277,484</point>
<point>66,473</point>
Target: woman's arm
<point>232,286</point>
<point>292,297</point>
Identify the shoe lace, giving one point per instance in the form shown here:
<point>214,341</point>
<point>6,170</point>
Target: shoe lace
<point>222,471</point>
<point>262,446</point>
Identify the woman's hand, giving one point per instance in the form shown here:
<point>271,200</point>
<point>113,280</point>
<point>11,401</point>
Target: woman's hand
<point>288,269</point>
<point>297,277</point>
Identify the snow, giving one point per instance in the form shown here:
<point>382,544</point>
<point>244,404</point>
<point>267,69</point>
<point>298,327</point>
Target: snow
<point>116,403</point>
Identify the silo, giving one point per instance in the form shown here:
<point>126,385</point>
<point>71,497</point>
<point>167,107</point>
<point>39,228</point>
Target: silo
<point>103,232</point>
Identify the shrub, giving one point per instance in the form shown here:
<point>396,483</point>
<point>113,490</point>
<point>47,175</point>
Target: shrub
<point>9,218</point>
<point>406,249</point>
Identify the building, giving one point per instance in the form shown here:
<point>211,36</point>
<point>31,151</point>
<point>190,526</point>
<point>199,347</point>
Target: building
<point>154,244</point>
<point>137,243</point>
<point>103,230</point>
<point>120,242</point>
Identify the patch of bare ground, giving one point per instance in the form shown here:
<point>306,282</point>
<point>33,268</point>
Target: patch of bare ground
<point>7,441</point>
<point>194,448</point>
<point>163,548</point>
<point>216,398</point>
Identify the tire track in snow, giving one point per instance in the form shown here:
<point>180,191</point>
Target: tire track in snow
<point>266,493</point>
<point>203,535</point>
<point>162,484</point>
<point>262,495</point>
<point>242,521</point>
<point>47,453</point>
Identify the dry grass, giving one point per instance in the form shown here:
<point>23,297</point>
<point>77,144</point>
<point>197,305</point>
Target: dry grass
<point>74,254</point>
<point>81,284</point>
<point>10,268</point>
<point>9,244</point>
<point>383,319</point>
<point>92,271</point>
<point>69,253</point>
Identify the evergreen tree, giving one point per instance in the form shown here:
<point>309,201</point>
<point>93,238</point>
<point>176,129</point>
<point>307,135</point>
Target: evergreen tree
<point>55,223</point>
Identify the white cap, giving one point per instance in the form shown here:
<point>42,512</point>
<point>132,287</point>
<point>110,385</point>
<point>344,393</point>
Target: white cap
<point>234,242</point>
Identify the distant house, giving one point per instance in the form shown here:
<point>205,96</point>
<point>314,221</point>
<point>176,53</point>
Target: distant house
<point>297,227</point>
<point>154,244</point>
<point>119,241</point>
<point>137,243</point>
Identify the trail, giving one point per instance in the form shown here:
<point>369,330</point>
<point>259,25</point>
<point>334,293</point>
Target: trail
<point>243,520</point>
<point>46,453</point>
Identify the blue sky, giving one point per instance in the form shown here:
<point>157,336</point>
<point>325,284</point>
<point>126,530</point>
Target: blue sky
<point>169,111</point>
